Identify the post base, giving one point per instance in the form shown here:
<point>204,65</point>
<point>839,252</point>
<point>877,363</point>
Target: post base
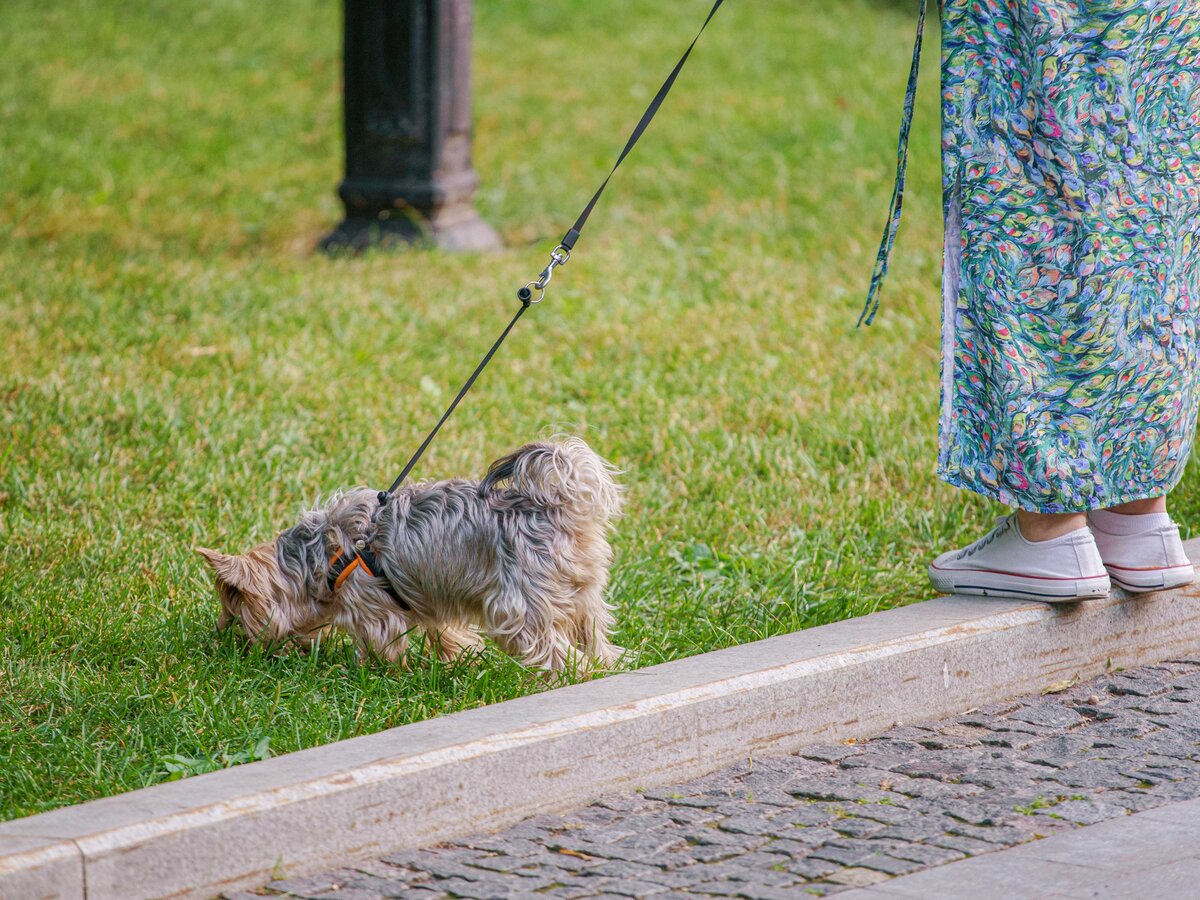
<point>458,229</point>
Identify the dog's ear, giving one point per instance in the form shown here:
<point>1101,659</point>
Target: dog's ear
<point>230,569</point>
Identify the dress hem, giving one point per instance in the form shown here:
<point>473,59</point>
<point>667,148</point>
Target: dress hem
<point>959,480</point>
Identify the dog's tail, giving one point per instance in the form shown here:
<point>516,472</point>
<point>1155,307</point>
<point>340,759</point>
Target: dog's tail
<point>566,473</point>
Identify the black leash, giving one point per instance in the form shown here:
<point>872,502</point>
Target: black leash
<point>383,495</point>
<point>558,256</point>
<point>572,235</point>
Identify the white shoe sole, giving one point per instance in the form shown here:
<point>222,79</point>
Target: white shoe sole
<point>1018,587</point>
<point>1140,581</point>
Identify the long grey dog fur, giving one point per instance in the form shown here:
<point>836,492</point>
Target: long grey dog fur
<point>522,554</point>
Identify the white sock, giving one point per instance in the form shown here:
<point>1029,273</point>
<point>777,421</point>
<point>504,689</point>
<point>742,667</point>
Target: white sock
<point>1119,523</point>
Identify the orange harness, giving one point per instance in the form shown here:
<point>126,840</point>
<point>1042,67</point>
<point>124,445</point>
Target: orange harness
<point>341,565</point>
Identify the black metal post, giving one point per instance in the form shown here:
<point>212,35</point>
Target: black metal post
<point>407,67</point>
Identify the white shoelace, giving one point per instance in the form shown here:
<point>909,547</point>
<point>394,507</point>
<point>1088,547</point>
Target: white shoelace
<point>1002,525</point>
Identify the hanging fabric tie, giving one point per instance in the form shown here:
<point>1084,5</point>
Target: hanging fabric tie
<point>893,224</point>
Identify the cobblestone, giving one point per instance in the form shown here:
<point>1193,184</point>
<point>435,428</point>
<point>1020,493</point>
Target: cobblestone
<point>835,816</point>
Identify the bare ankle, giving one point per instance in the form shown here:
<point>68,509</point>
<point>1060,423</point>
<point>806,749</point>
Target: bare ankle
<point>1140,507</point>
<point>1047,526</point>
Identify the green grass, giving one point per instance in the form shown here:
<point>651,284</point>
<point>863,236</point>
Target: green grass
<point>180,369</point>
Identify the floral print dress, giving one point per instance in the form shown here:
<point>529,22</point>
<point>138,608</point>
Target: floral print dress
<point>1071,278</point>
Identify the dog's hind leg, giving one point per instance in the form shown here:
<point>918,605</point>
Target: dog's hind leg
<point>538,648</point>
<point>529,627</point>
<point>603,651</point>
<point>593,624</point>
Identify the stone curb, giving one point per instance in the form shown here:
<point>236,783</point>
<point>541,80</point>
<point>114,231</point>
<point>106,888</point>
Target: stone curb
<point>482,769</point>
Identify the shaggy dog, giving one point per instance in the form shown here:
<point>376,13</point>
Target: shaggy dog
<point>522,554</point>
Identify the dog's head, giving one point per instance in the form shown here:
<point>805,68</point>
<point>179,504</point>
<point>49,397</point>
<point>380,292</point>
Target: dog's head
<point>278,591</point>
<point>270,603</point>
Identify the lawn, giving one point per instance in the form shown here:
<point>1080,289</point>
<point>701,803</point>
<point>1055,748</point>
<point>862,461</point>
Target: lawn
<point>181,369</point>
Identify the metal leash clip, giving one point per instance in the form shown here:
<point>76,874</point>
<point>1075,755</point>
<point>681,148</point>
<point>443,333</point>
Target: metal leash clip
<point>558,257</point>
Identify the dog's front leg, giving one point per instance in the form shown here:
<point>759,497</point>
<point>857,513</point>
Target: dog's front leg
<point>389,651</point>
<point>380,633</point>
<point>452,641</point>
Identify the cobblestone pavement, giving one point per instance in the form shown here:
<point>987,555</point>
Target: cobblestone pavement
<point>833,817</point>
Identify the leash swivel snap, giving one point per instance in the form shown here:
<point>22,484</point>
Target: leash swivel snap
<point>558,257</point>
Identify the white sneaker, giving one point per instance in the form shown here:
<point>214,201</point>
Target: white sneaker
<point>1003,564</point>
<point>1141,553</point>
